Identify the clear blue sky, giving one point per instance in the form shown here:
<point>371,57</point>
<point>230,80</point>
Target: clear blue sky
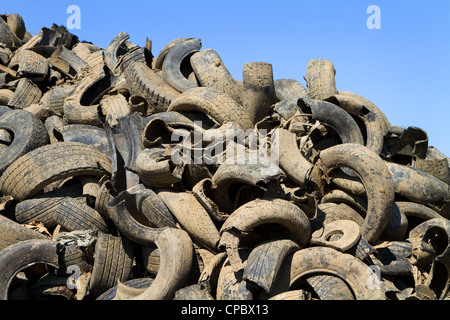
<point>404,67</point>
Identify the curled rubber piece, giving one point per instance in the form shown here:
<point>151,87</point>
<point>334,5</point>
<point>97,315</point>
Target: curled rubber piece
<point>418,186</point>
<point>196,221</point>
<point>374,122</point>
<point>172,69</point>
<point>376,178</point>
<point>347,230</point>
<point>265,260</point>
<point>356,274</point>
<point>259,212</point>
<point>159,61</point>
<point>175,246</point>
<point>219,106</point>
<point>292,161</point>
<point>333,116</point>
<point>111,53</point>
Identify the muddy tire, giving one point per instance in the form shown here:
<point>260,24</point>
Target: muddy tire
<point>259,90</point>
<point>21,255</point>
<point>12,232</point>
<point>75,214</point>
<point>219,106</point>
<point>321,81</point>
<point>28,175</point>
<point>376,178</point>
<point>26,94</point>
<point>172,66</point>
<point>28,131</point>
<point>112,262</point>
<point>143,81</point>
<point>211,72</point>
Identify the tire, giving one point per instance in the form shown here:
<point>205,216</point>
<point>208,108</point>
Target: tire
<point>69,57</point>
<point>257,213</point>
<point>265,260</point>
<point>81,107</point>
<point>418,186</point>
<point>329,287</point>
<point>344,266</point>
<point>175,247</point>
<point>142,81</point>
<point>26,94</point>
<point>8,37</point>
<point>5,96</point>
<point>159,61</point>
<point>54,99</point>
<point>75,214</point>
<point>111,53</point>
<point>373,122</point>
<point>376,177</point>
<point>290,89</point>
<point>230,284</point>
<point>172,66</point>
<point>28,131</point>
<point>435,163</point>
<point>86,134</point>
<point>72,255</point>
<point>12,232</point>
<point>139,283</point>
<point>198,224</point>
<point>335,117</point>
<point>259,90</point>
<point>42,208</point>
<point>219,106</point>
<point>386,126</point>
<point>417,210</point>
<point>212,72</point>
<point>21,255</point>
<point>112,262</point>
<point>31,65</point>
<point>156,212</point>
<point>114,107</point>
<point>228,177</point>
<point>321,81</point>
<point>28,175</point>
<point>16,24</point>
<point>291,160</point>
<point>155,170</point>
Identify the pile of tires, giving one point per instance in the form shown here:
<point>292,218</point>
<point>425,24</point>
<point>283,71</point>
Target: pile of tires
<point>117,183</point>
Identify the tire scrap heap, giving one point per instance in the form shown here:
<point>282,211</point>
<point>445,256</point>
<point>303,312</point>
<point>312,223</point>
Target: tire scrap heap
<point>339,204</point>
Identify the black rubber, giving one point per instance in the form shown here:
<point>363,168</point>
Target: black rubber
<point>21,255</point>
<point>28,131</point>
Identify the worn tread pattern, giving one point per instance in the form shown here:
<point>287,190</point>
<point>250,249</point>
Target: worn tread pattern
<point>212,72</point>
<point>321,81</point>
<point>29,133</point>
<point>29,174</point>
<point>143,81</point>
<point>75,214</point>
<point>25,94</point>
<point>112,263</point>
<point>220,106</point>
